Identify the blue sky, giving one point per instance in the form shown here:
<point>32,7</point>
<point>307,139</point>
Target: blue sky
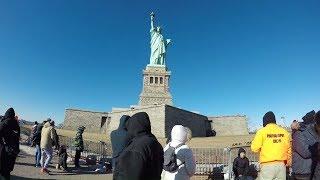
<point>227,57</point>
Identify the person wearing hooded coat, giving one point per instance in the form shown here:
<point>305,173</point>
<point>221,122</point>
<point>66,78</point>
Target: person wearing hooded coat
<point>142,159</point>
<point>274,145</point>
<point>185,159</point>
<point>301,155</point>
<point>119,140</point>
<point>78,144</point>
<point>241,165</point>
<point>9,142</point>
<point>313,140</point>
<point>47,141</point>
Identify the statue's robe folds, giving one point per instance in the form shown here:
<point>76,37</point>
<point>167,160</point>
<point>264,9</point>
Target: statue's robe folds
<point>158,48</point>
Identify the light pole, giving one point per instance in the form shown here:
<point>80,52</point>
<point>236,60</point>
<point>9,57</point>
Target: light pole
<point>283,121</point>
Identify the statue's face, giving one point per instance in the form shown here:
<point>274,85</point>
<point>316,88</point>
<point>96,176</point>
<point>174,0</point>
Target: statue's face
<point>159,29</point>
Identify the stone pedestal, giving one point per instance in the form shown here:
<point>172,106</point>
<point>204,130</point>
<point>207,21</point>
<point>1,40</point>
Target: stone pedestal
<point>155,89</point>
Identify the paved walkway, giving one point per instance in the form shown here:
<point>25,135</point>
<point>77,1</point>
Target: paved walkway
<point>25,170</point>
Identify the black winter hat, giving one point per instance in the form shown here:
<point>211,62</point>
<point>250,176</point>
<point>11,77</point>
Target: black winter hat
<point>309,117</point>
<point>241,150</point>
<point>268,118</point>
<point>317,117</point>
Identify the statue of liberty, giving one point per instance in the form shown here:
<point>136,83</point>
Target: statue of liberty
<point>158,44</point>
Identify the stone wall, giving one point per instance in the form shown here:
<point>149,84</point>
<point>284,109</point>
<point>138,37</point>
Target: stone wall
<point>229,125</point>
<point>162,117</point>
<point>197,123</point>
<point>90,119</point>
<point>156,115</point>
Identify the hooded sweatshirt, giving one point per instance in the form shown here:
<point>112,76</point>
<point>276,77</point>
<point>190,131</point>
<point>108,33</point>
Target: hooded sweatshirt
<point>301,156</point>
<point>185,159</point>
<point>241,165</point>
<point>119,137</point>
<point>10,133</point>
<point>142,159</point>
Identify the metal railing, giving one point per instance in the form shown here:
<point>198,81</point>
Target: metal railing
<point>211,163</point>
<point>98,148</point>
<point>216,163</point>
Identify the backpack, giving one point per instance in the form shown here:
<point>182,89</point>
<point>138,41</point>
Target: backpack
<point>170,159</point>
<point>11,150</point>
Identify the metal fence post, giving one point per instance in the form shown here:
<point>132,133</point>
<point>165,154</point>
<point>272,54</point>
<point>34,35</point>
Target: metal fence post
<point>229,163</point>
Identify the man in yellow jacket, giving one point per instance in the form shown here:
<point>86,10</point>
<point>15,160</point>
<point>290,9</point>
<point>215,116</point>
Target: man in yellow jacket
<point>274,145</point>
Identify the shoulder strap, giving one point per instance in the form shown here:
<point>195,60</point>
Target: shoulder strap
<point>175,147</point>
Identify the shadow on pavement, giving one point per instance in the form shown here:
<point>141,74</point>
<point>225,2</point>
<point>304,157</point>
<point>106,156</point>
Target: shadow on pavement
<point>21,178</point>
<point>75,171</point>
<point>24,164</point>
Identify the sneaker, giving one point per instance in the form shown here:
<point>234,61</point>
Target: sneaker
<point>44,171</point>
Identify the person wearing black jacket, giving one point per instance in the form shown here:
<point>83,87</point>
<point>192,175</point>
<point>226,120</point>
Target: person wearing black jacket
<point>142,159</point>
<point>9,143</point>
<point>36,141</point>
<point>241,165</point>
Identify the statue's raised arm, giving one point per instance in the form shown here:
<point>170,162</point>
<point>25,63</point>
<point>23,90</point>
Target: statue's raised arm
<point>152,20</point>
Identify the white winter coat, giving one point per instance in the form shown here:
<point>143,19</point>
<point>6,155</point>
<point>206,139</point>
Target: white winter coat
<point>184,156</point>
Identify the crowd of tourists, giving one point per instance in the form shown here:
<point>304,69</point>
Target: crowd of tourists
<point>137,154</point>
<point>46,140</point>
<point>43,137</point>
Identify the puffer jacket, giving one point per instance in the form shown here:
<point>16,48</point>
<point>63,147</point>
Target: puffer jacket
<point>48,136</point>
<point>313,138</point>
<point>301,155</point>
<point>185,159</point>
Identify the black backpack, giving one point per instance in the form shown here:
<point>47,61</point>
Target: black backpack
<point>170,159</point>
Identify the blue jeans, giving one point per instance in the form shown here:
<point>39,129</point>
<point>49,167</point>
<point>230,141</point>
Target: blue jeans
<point>48,153</point>
<point>38,155</point>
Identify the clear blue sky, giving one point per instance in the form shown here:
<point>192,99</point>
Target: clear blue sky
<point>227,57</point>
